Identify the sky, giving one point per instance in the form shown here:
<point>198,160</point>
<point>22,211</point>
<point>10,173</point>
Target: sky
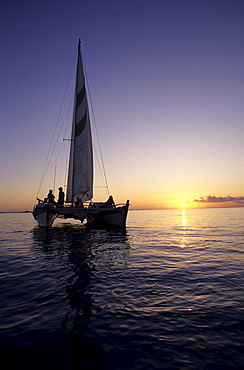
<point>166,85</point>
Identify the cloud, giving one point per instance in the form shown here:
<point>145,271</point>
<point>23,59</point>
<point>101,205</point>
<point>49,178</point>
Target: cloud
<point>213,199</point>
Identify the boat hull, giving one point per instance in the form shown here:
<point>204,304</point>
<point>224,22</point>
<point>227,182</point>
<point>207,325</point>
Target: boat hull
<point>44,214</point>
<point>108,216</point>
<point>99,215</point>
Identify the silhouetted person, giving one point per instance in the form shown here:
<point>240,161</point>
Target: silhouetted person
<point>110,201</point>
<point>50,196</point>
<point>79,203</point>
<point>60,197</point>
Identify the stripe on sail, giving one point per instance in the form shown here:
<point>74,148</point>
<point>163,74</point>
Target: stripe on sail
<point>80,96</point>
<point>79,128</point>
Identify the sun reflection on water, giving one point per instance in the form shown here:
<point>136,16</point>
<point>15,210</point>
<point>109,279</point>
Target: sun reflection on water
<point>183,219</point>
<point>184,240</point>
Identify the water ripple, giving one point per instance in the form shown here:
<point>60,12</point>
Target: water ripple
<point>165,295</point>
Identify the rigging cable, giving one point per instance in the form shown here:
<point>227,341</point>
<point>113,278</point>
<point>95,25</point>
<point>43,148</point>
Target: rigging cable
<point>54,178</point>
<point>103,172</point>
<point>50,154</point>
<point>66,153</point>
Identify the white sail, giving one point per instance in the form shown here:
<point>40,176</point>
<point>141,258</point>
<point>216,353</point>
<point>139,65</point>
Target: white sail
<point>80,175</point>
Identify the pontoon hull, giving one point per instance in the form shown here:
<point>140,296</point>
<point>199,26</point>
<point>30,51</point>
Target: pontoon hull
<point>110,216</point>
<point>44,214</point>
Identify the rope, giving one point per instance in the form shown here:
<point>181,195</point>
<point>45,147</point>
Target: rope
<point>50,150</point>
<point>102,171</point>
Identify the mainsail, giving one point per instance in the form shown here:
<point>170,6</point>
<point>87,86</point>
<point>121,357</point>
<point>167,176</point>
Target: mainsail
<point>80,175</point>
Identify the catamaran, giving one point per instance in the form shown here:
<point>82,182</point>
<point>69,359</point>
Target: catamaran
<point>80,173</point>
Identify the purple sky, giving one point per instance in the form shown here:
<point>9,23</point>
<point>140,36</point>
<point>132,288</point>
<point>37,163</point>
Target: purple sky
<point>166,79</point>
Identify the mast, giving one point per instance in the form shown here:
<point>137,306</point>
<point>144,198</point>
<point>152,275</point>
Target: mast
<point>80,174</point>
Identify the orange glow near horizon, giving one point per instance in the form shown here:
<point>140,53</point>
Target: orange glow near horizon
<point>24,199</point>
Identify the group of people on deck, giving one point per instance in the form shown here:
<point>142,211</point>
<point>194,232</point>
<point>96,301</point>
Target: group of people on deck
<point>60,203</point>
<point>51,197</point>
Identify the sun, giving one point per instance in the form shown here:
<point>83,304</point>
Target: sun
<point>183,204</point>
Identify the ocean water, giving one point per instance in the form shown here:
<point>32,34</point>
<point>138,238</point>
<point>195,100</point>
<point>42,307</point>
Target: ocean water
<point>167,294</point>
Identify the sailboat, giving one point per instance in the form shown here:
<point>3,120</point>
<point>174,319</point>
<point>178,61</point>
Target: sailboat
<point>80,173</point>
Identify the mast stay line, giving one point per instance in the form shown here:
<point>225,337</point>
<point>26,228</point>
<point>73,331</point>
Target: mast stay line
<point>52,145</point>
<point>102,170</point>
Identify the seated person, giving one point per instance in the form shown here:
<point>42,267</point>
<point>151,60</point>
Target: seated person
<point>110,201</point>
<point>79,203</point>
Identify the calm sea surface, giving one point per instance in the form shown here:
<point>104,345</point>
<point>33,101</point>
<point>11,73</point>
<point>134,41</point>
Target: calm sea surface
<point>166,295</point>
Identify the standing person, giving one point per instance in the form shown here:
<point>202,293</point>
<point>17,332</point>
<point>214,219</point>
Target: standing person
<point>60,197</point>
<point>51,197</point>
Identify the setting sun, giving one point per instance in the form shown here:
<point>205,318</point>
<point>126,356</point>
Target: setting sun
<point>183,204</point>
